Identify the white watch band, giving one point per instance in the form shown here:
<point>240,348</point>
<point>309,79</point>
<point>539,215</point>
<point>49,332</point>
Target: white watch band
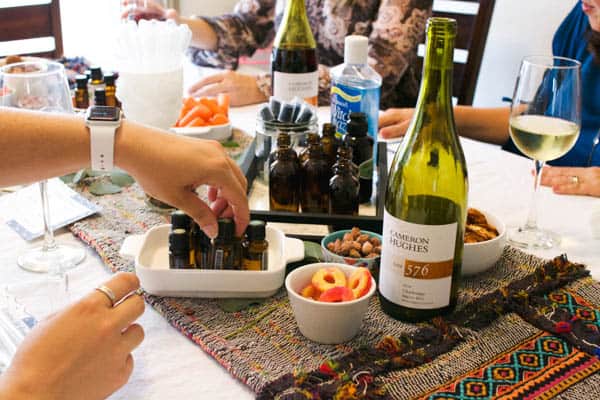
<point>102,144</point>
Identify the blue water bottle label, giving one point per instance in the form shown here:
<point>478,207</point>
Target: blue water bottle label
<point>344,100</point>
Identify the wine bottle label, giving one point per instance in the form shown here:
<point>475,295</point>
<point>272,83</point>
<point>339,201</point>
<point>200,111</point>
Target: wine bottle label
<point>416,263</point>
<point>287,85</point>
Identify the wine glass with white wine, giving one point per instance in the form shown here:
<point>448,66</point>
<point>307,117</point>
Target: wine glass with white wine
<point>545,119</point>
<point>41,86</point>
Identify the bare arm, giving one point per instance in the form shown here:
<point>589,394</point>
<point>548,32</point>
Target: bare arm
<point>34,146</point>
<point>203,35</point>
<point>484,124</point>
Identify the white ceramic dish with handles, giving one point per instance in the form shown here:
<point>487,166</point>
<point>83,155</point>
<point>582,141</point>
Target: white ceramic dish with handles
<point>213,132</point>
<point>151,254</point>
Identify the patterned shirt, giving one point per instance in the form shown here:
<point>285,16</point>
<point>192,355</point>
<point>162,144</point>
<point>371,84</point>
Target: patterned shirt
<point>394,28</point>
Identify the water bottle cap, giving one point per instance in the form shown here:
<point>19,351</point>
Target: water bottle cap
<point>356,49</point>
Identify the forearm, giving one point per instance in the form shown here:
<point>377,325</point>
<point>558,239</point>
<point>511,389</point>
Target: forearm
<point>37,146</point>
<point>484,124</point>
<point>203,35</point>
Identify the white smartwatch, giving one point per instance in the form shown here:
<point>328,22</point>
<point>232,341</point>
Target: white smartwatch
<point>102,122</point>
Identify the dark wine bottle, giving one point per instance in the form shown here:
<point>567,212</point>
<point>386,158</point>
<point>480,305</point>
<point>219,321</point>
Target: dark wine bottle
<point>294,64</point>
<point>426,197</point>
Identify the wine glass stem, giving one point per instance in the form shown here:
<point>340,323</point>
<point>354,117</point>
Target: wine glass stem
<point>532,217</point>
<point>49,243</point>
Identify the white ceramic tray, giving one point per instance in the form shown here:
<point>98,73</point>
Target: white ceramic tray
<point>151,255</point>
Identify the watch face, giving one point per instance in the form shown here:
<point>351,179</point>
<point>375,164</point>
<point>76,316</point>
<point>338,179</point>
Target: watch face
<point>103,113</point>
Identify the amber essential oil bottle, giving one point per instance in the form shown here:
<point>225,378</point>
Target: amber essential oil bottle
<point>345,153</point>
<point>100,96</point>
<point>111,90</point>
<point>96,81</point>
<point>284,178</point>
<point>82,99</point>
<point>255,248</point>
<point>329,142</point>
<point>180,220</point>
<point>226,252</point>
<point>202,247</point>
<point>179,249</point>
<point>357,138</point>
<point>343,187</point>
<point>314,192</point>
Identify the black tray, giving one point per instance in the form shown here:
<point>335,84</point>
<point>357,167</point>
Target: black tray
<point>373,223</point>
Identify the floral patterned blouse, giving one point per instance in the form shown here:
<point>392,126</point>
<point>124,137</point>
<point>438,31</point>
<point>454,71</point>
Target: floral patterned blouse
<point>394,27</point>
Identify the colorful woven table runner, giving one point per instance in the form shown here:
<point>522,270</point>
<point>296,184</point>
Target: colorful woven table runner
<point>525,329</point>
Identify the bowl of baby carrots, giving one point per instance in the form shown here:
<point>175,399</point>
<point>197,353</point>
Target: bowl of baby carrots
<point>204,117</point>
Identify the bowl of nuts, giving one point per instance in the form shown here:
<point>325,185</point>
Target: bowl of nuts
<point>352,247</point>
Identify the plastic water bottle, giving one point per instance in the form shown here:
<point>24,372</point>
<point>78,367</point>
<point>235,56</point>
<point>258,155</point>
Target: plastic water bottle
<point>355,86</point>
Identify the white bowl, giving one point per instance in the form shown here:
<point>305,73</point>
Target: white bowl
<point>214,132</point>
<point>327,323</point>
<point>478,257</point>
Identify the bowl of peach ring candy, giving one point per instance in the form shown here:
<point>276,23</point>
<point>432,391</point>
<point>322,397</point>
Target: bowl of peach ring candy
<point>485,238</point>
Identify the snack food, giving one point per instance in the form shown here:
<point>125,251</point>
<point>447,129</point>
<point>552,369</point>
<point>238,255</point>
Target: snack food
<point>13,59</point>
<point>478,229</point>
<point>356,244</point>
<point>204,111</point>
<point>332,286</point>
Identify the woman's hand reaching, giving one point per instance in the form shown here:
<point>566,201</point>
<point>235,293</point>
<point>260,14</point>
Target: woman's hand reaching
<point>171,167</point>
<point>394,122</point>
<point>147,9</point>
<point>242,89</point>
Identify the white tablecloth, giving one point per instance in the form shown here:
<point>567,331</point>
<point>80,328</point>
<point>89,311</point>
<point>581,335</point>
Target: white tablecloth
<point>169,366</point>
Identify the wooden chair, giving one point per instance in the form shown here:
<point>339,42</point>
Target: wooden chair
<point>473,18</point>
<point>38,21</point>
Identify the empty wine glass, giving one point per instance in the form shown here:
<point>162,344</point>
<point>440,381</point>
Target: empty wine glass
<point>41,86</point>
<point>545,119</point>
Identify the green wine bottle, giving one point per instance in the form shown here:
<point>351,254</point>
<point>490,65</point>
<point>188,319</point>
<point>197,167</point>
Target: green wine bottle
<point>294,64</point>
<point>426,197</point>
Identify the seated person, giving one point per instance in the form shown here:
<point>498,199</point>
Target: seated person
<point>394,27</point>
<point>84,351</point>
<point>578,37</point>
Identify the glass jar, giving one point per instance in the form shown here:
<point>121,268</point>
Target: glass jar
<point>266,140</point>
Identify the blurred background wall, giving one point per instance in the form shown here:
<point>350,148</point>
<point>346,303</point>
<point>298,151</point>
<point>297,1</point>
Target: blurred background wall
<point>518,28</point>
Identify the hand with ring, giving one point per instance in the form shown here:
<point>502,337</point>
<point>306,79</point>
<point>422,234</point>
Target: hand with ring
<point>83,351</point>
<point>572,180</point>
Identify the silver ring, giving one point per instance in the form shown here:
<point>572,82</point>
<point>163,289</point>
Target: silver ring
<point>108,293</point>
<point>574,179</point>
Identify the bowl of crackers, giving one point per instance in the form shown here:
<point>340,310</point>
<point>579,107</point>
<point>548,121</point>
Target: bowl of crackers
<point>485,238</point>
